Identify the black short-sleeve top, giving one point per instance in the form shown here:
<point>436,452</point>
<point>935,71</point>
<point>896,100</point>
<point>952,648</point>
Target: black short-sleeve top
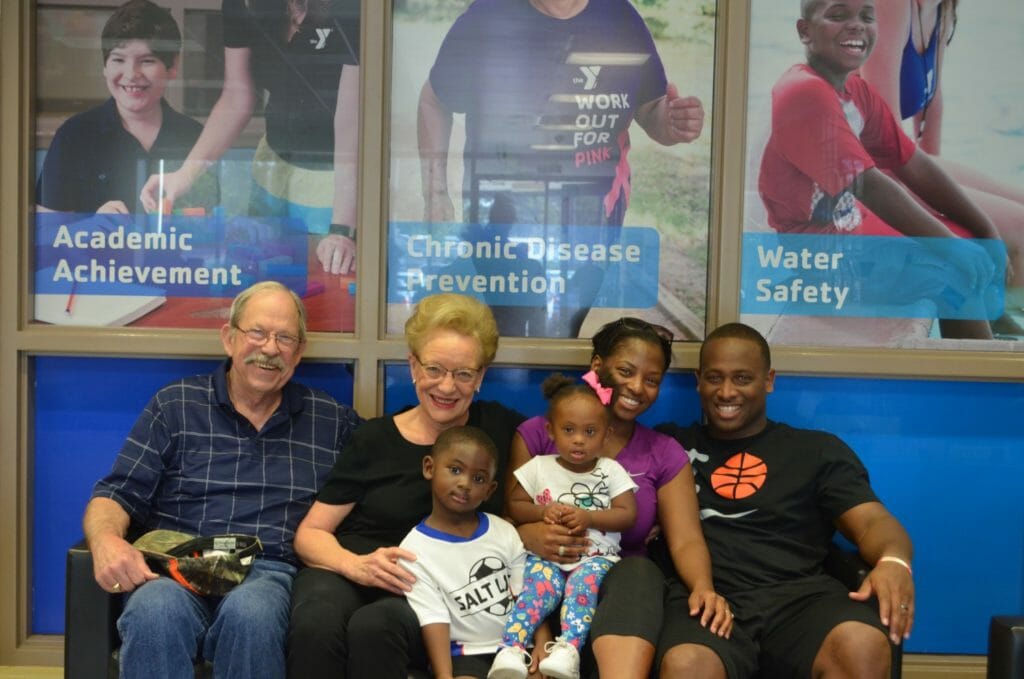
<point>381,472</point>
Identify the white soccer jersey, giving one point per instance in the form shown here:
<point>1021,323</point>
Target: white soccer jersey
<point>469,583</point>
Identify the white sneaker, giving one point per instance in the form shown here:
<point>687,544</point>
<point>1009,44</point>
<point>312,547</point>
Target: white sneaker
<point>511,662</point>
<point>563,661</point>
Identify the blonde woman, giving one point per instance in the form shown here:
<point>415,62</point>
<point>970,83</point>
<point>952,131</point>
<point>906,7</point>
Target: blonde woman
<point>349,614</point>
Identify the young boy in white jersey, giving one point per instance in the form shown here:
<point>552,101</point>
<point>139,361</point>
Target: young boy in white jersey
<point>469,564</point>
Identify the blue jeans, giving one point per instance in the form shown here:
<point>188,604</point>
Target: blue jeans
<point>164,628</point>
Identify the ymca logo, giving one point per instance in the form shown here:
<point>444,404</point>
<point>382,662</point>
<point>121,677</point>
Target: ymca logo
<point>321,38</point>
<point>590,75</point>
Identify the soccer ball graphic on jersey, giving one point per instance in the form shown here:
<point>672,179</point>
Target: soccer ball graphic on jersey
<point>492,568</point>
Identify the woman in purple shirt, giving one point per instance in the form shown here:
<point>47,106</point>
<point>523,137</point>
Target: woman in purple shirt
<point>631,357</point>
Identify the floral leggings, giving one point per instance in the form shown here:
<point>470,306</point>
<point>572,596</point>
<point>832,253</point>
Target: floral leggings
<point>544,585</point>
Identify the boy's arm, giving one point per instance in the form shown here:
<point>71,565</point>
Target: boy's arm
<point>439,649</point>
<point>619,517</point>
<point>896,207</point>
<point>886,198</point>
<point>922,175</point>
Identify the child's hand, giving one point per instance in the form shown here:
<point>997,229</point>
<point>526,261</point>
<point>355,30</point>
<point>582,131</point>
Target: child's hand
<point>577,520</point>
<point>555,512</point>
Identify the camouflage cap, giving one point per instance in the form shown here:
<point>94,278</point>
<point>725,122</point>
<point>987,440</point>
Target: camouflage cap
<point>208,566</point>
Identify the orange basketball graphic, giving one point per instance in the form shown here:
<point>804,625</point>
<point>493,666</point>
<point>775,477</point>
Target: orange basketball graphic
<point>741,476</point>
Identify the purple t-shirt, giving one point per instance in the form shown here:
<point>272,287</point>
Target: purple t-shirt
<point>652,460</point>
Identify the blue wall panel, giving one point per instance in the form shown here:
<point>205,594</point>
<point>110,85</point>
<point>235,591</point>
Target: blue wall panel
<point>947,459</point>
<point>84,407</point>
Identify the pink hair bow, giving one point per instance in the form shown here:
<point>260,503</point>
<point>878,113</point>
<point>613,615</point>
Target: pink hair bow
<point>604,394</point>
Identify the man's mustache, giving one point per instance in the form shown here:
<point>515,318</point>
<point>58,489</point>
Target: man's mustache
<point>264,361</point>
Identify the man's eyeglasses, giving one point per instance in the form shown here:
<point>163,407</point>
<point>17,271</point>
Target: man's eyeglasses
<point>259,337</point>
<point>632,323</point>
<point>436,373</point>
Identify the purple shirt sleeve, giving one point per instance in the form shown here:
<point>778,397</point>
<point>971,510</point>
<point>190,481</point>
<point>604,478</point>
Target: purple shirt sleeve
<point>535,436</point>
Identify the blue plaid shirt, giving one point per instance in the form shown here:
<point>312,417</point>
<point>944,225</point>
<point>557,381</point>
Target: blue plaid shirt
<point>192,463</point>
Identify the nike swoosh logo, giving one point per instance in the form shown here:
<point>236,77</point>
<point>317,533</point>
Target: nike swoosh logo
<point>705,513</point>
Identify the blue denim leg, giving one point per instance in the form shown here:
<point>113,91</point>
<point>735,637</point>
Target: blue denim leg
<point>246,639</point>
<point>161,627</point>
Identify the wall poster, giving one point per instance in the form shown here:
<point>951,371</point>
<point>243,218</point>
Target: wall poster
<point>545,157</point>
<point>186,149</point>
<point>884,193</point>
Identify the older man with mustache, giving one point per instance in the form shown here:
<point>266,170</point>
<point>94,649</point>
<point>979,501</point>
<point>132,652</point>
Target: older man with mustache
<point>242,450</point>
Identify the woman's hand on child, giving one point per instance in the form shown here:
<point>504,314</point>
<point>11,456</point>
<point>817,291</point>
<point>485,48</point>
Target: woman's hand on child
<point>554,542</point>
<point>381,569</point>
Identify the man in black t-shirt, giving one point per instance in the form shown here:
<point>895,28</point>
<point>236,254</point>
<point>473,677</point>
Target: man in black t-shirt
<point>771,498</point>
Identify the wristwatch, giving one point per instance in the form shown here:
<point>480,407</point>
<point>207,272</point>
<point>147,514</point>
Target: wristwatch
<point>343,230</point>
